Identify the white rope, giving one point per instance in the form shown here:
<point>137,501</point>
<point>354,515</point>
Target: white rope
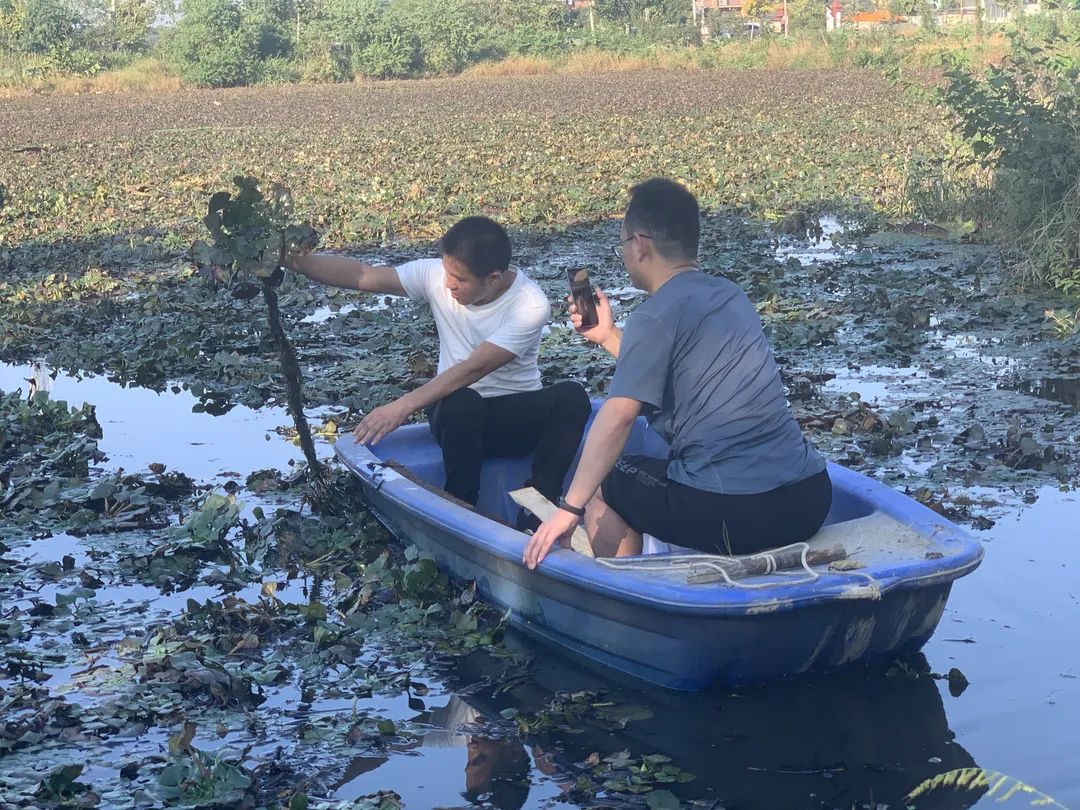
<point>700,563</point>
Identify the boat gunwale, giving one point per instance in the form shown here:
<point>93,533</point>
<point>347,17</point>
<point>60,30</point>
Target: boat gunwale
<point>505,543</point>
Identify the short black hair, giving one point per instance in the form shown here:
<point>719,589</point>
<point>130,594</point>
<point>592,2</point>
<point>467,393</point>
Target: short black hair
<point>479,243</point>
<point>667,213</point>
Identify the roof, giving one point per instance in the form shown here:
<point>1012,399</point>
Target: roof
<point>882,16</point>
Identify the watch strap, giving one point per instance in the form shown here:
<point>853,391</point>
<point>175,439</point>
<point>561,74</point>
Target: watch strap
<point>579,511</point>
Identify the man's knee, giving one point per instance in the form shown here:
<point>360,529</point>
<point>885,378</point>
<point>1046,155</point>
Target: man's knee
<point>572,401</point>
<point>462,410</point>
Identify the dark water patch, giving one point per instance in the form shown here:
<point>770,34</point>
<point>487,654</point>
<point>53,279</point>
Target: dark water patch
<point>1056,389</point>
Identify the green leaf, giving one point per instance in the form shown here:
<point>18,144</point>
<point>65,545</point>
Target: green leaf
<point>662,800</point>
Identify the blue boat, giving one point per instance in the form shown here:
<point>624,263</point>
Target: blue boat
<point>649,619</point>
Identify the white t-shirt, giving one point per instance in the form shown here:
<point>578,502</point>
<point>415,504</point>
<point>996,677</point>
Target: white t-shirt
<point>513,321</point>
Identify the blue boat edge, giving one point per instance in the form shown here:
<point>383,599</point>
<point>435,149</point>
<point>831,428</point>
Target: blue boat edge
<point>682,637</point>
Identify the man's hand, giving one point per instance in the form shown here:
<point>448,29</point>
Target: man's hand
<point>606,321</point>
<point>556,529</point>
<point>294,262</point>
<point>374,427</point>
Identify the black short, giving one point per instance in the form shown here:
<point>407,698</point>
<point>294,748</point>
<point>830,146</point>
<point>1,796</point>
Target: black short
<point>639,490</point>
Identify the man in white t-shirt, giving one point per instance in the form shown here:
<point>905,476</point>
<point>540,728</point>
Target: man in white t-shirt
<point>487,399</point>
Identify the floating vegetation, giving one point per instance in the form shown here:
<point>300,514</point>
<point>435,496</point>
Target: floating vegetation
<point>166,641</point>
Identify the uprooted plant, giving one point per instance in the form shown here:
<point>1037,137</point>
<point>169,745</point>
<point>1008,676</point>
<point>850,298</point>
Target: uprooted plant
<point>253,236</point>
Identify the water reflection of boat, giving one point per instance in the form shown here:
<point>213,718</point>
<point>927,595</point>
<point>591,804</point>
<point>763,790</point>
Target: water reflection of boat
<point>860,738</point>
<point>655,624</point>
<point>495,770</point>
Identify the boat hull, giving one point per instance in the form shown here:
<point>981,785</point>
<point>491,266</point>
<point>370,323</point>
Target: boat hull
<point>671,633</point>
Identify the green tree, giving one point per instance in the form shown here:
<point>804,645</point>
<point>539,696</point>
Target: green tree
<point>49,25</point>
<point>448,32</point>
<point>625,12</point>
<point>360,37</point>
<point>12,24</point>
<point>527,27</point>
<point>120,26</point>
<point>211,46</point>
<point>805,16</point>
<point>1021,118</point>
<point>268,24</point>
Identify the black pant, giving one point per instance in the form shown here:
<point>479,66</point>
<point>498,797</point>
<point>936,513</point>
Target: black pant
<point>548,423</point>
<point>639,490</point>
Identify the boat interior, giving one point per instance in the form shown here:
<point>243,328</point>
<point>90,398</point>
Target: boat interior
<point>866,533</point>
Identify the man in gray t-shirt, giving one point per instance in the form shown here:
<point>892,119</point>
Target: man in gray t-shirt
<point>694,355</point>
<point>739,475</point>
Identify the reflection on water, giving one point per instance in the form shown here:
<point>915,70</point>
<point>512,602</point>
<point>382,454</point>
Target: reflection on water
<point>861,738</point>
<point>825,742</point>
<point>456,760</point>
<point>142,427</point>
<point>1056,389</point>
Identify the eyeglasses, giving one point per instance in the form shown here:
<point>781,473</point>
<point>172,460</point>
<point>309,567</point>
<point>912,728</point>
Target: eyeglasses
<point>617,248</point>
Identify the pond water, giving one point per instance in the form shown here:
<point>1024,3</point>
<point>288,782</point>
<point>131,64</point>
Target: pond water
<point>861,738</point>
<point>829,741</point>
<point>141,427</point>
<point>848,739</point>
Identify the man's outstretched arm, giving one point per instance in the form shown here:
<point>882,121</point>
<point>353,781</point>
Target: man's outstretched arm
<point>349,274</point>
<point>484,359</point>
<point>607,437</point>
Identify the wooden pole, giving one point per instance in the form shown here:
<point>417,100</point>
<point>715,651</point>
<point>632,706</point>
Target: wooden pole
<point>294,395</point>
<point>743,567</point>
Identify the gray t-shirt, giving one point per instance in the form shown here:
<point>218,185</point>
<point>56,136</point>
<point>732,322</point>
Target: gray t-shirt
<point>695,356</point>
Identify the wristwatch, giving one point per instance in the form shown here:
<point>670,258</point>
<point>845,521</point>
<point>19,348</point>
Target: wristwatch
<point>579,511</point>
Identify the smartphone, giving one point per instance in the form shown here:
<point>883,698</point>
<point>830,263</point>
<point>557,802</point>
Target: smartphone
<point>582,293</point>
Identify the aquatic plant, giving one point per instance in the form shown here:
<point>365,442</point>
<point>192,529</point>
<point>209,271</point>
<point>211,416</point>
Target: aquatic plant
<point>253,236</point>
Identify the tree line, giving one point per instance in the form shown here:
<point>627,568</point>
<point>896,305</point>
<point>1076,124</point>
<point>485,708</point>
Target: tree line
<point>224,43</point>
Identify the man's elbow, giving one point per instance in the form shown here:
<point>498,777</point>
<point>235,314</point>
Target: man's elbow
<point>622,411</point>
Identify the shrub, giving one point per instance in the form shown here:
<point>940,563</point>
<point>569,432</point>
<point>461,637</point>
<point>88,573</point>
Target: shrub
<point>448,33</point>
<point>1022,119</point>
<point>392,56</point>
<point>277,70</point>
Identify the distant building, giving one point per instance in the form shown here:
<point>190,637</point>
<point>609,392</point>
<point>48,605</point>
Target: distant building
<point>834,15</point>
<point>946,13</point>
<point>719,6</point>
<point>874,19</point>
